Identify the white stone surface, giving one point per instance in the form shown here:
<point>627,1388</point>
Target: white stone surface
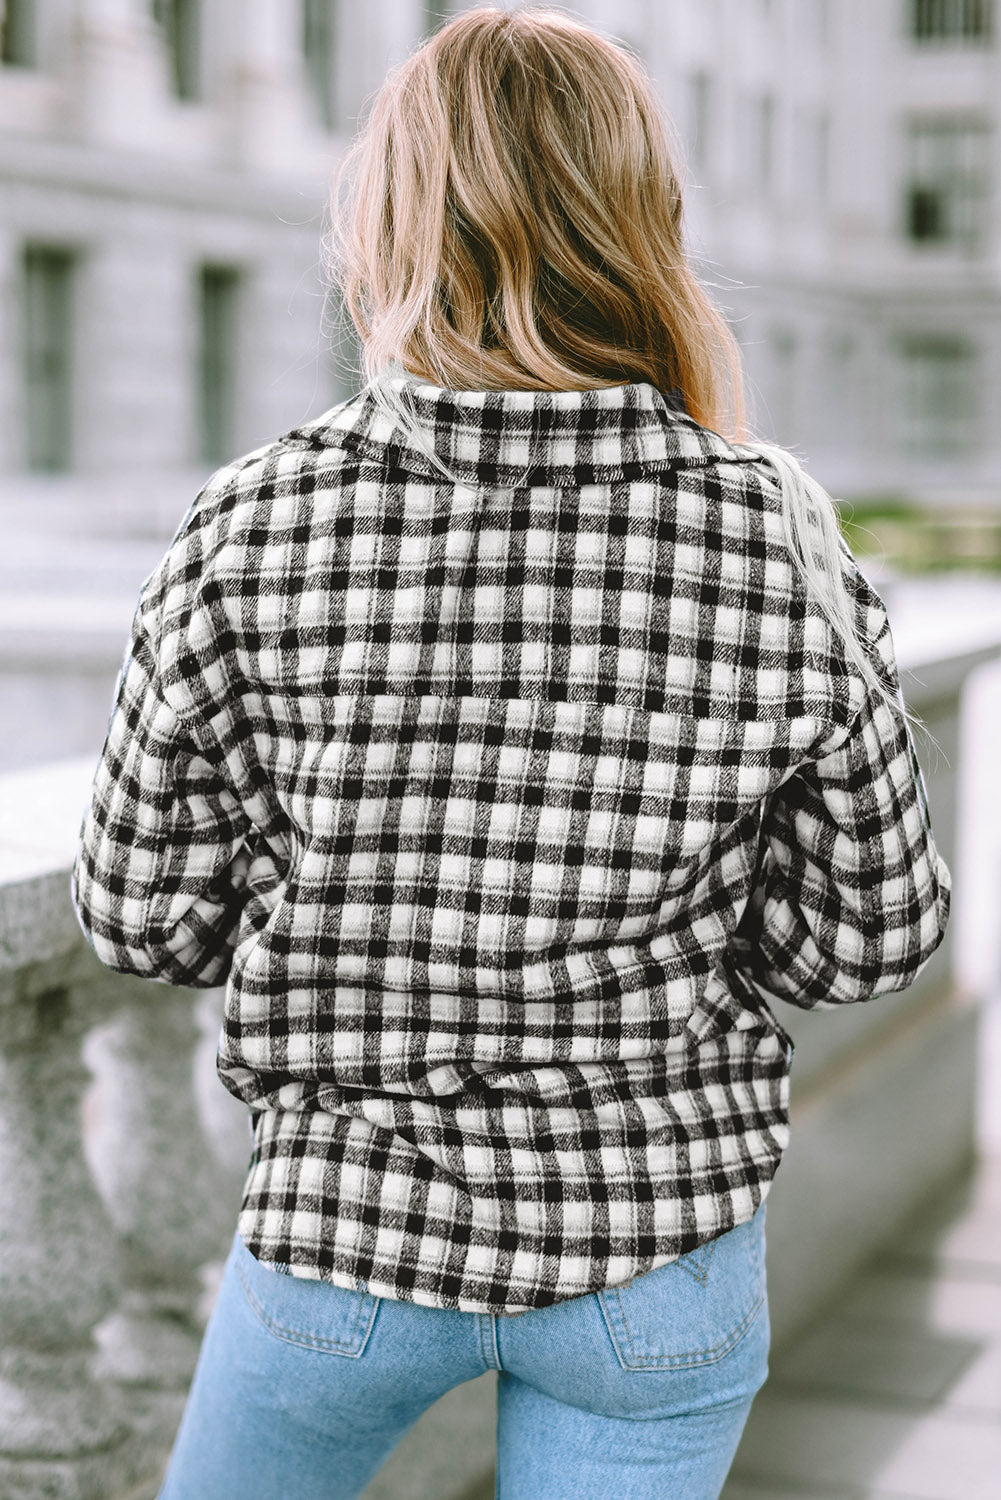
<point>852,1451</point>
<point>896,1393</point>
<point>40,815</point>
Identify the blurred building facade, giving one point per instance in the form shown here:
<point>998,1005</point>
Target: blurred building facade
<point>164,166</point>
<point>845,172</point>
<point>163,170</point>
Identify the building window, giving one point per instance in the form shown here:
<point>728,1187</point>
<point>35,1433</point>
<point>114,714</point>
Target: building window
<point>218,361</point>
<point>952,20</point>
<point>763,140</point>
<point>947,182</point>
<point>17,34</point>
<point>180,22</point>
<point>939,398</point>
<point>813,143</point>
<point>699,119</point>
<point>48,357</point>
<point>318,41</point>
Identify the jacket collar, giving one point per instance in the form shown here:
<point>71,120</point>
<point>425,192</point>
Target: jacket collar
<point>517,438</point>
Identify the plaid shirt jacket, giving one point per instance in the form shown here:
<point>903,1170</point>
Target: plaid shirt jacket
<point>504,808</point>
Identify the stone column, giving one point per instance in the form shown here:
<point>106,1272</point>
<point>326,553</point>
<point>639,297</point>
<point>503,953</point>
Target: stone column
<point>111,1196</point>
<point>118,72</point>
<point>135,407</point>
<point>366,52</point>
<point>171,1200</point>
<point>60,1433</point>
<point>272,118</point>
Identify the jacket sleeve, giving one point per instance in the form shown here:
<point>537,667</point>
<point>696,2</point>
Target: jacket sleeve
<point>852,897</point>
<point>160,870</point>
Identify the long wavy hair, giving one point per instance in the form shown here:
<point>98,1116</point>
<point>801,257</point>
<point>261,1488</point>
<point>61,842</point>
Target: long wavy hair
<point>514,222</point>
<point>509,217</point>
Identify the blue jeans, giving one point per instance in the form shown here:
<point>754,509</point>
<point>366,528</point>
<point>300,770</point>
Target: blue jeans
<point>303,1389</point>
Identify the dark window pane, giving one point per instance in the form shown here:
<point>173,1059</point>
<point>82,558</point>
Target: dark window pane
<point>48,356</point>
<point>949,180</point>
<point>180,22</point>
<point>17,34</point>
<point>318,42</point>
<point>940,406</point>
<point>219,292</point>
<point>952,20</point>
<point>926,220</point>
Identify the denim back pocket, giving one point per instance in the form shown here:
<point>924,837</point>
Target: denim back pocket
<point>311,1314</point>
<point>692,1311</point>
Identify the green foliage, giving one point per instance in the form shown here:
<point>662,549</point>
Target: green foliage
<point>912,538</point>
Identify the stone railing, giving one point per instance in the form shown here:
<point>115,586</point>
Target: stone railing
<point>121,1159</point>
<point>120,1181</point>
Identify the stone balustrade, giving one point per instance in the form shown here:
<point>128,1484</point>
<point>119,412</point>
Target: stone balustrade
<point>121,1159</point>
<point>120,1176</point>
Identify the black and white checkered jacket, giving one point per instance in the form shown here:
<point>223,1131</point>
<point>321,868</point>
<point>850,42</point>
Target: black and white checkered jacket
<point>504,808</point>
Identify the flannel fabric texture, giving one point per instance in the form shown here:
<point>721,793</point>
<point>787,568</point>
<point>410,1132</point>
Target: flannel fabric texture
<point>504,804</point>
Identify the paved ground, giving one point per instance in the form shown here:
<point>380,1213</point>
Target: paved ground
<point>896,1393</point>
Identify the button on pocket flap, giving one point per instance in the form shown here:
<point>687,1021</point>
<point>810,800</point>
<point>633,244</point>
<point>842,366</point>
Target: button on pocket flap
<point>313,1314</point>
<point>694,1310</point>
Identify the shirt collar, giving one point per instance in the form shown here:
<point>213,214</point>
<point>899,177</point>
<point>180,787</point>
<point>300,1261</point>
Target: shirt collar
<point>517,438</point>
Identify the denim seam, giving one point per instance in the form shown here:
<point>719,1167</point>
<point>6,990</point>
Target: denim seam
<point>650,1363</point>
<point>345,1347</point>
<point>698,1269</point>
<point>488,1341</point>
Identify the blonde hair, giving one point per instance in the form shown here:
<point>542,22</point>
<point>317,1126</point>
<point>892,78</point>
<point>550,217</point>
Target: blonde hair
<point>510,218</point>
<point>513,222</point>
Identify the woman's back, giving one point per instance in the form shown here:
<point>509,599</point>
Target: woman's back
<point>498,752</point>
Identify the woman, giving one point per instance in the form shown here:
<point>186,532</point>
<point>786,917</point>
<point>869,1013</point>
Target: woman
<point>507,739</point>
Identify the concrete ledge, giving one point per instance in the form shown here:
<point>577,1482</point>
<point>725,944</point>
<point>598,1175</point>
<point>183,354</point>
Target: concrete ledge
<point>42,902</point>
<point>40,816</point>
<point>867,1145</point>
